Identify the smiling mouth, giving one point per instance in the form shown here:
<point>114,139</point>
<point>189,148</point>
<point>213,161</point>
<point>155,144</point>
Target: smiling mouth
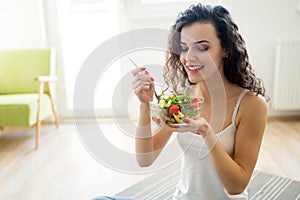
<point>195,68</point>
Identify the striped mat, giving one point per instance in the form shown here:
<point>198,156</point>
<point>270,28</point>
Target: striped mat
<point>161,185</point>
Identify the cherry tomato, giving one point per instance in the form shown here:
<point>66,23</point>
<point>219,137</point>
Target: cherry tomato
<point>196,103</point>
<point>174,109</point>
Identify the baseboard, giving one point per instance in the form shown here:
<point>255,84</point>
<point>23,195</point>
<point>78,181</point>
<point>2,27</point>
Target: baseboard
<point>284,118</point>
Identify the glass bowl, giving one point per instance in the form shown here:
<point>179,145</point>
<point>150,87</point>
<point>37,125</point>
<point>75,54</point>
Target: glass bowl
<point>172,109</point>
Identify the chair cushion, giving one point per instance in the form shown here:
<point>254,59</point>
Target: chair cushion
<point>21,109</point>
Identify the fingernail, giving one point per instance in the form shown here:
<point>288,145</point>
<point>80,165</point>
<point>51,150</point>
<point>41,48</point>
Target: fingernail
<point>146,72</point>
<point>158,120</point>
<point>153,118</point>
<point>143,68</point>
<point>152,79</point>
<point>186,121</point>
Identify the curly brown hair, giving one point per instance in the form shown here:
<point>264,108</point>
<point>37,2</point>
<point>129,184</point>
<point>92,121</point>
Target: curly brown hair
<point>237,68</point>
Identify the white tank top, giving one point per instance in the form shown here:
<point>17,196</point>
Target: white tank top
<point>198,179</point>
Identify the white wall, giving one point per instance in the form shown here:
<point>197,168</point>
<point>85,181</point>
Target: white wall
<point>21,24</point>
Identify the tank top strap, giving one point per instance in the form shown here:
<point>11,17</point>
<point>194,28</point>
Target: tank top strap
<point>236,108</point>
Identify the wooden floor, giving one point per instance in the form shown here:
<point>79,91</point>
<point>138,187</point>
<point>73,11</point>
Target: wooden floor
<point>280,152</point>
<point>63,169</point>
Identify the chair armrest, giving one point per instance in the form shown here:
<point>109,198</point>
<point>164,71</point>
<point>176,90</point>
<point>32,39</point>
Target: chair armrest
<point>46,78</point>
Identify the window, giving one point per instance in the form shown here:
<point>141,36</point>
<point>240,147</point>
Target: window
<point>84,26</point>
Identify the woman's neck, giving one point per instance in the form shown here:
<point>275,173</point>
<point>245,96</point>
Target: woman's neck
<point>218,88</point>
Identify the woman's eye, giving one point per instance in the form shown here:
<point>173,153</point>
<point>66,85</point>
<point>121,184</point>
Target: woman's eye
<point>183,49</point>
<point>202,48</point>
<point>199,48</point>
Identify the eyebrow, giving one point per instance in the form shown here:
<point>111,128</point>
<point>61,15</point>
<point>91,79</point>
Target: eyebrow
<point>198,42</point>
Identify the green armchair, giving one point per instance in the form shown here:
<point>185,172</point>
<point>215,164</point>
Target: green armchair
<point>24,99</point>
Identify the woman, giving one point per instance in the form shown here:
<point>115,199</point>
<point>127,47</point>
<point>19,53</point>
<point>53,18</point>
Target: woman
<point>207,56</point>
<point>204,47</point>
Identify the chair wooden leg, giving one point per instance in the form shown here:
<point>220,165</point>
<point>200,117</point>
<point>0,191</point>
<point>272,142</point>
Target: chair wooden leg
<point>53,105</point>
<point>37,134</point>
<point>38,121</point>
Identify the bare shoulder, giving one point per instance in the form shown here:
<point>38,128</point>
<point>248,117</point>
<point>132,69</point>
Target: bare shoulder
<point>253,101</point>
<point>252,107</point>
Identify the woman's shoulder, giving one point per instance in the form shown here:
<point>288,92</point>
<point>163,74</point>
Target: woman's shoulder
<point>252,115</point>
<point>252,98</point>
<point>253,103</point>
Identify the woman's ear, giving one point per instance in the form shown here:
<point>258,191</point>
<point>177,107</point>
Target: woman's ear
<point>225,53</point>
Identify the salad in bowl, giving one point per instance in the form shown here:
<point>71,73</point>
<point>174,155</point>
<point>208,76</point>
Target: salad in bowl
<point>175,107</point>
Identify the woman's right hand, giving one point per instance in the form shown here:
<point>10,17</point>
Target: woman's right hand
<point>143,85</point>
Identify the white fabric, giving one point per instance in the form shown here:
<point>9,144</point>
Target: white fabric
<point>199,179</point>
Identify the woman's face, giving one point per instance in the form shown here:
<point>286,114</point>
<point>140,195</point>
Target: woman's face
<point>201,51</point>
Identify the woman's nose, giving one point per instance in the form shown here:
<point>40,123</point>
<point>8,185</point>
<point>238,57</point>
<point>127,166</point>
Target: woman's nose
<point>191,55</point>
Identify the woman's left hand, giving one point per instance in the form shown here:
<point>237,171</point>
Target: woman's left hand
<point>199,126</point>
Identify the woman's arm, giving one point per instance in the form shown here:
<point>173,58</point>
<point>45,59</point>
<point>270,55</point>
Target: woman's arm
<point>235,172</point>
<point>148,145</point>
